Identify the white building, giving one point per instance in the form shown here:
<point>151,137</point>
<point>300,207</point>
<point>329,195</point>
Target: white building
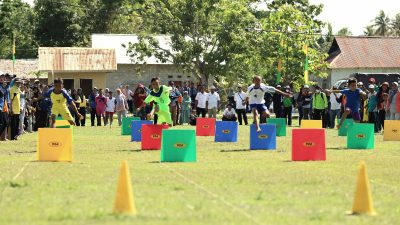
<point>132,73</point>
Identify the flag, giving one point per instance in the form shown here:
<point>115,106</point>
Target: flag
<point>13,51</point>
<point>279,70</point>
<point>305,49</point>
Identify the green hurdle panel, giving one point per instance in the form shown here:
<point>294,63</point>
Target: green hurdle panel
<point>126,125</point>
<point>345,127</point>
<point>360,136</point>
<point>178,146</point>
<point>280,126</point>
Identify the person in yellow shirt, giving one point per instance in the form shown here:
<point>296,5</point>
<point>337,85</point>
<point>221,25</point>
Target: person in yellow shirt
<point>59,99</point>
<point>15,95</point>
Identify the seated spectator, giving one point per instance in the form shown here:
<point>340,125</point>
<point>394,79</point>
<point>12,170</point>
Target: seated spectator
<point>229,114</point>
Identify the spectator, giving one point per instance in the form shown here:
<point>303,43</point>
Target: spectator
<point>15,95</point>
<point>299,104</point>
<point>128,94</point>
<point>23,99</point>
<point>138,99</point>
<point>121,106</point>
<point>173,105</point>
<point>319,105</point>
<point>101,104</point>
<point>383,91</point>
<point>77,100</point>
<point>82,107</point>
<point>110,108</point>
<point>306,96</point>
<point>335,107</point>
<point>288,104</point>
<point>372,108</point>
<point>212,103</point>
<point>229,114</point>
<point>185,113</point>
<point>277,103</point>
<point>201,100</point>
<point>240,99</point>
<point>4,109</point>
<point>43,108</point>
<point>92,104</point>
<point>193,94</point>
<point>394,102</point>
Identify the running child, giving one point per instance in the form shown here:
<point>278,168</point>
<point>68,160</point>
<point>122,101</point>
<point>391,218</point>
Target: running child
<point>160,95</point>
<point>353,101</point>
<point>255,98</point>
<point>59,99</point>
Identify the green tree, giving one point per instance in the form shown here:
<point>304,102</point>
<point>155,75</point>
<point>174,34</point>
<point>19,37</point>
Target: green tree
<point>16,20</point>
<point>382,24</point>
<point>344,32</point>
<point>369,30</point>
<point>395,26</point>
<point>60,23</point>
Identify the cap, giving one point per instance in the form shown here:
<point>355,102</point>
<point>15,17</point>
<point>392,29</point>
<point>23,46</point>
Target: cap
<point>372,80</point>
<point>360,83</point>
<point>212,87</point>
<point>385,83</point>
<point>306,86</point>
<point>371,86</point>
<point>396,84</point>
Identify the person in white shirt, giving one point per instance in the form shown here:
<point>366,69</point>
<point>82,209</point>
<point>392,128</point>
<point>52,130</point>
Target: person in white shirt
<point>200,102</point>
<point>240,100</point>
<point>229,114</point>
<point>110,108</point>
<point>255,97</point>
<point>212,103</point>
<point>128,94</point>
<point>334,98</point>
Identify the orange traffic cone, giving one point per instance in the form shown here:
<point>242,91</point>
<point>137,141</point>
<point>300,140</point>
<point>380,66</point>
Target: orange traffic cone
<point>363,199</point>
<point>124,202</point>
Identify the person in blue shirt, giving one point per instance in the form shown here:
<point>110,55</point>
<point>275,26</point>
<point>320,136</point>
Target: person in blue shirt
<point>92,104</point>
<point>353,101</point>
<point>4,102</point>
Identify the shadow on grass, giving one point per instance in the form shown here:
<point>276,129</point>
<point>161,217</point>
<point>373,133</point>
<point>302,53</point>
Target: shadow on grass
<point>135,150</point>
<point>337,148</point>
<point>155,162</point>
<point>19,152</point>
<point>236,150</point>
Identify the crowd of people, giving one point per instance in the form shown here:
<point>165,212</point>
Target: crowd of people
<point>26,107</point>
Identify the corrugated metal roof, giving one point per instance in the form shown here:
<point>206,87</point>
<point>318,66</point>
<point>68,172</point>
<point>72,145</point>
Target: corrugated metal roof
<point>23,67</point>
<point>77,59</point>
<point>116,42</point>
<point>365,52</point>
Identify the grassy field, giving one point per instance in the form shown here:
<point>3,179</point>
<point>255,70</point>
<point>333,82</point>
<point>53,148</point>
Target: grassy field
<point>228,185</point>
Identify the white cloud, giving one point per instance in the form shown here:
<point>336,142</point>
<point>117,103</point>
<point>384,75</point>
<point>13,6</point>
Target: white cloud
<point>355,14</point>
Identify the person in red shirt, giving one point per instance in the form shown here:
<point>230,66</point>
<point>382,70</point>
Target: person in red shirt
<point>101,105</point>
<point>138,99</point>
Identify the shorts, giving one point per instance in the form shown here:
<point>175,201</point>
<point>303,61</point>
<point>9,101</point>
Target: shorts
<point>355,114</point>
<point>260,108</point>
<point>63,112</point>
<point>111,114</point>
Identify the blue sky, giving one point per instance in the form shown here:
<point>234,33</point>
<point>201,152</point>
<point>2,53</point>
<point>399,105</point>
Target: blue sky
<point>354,14</point>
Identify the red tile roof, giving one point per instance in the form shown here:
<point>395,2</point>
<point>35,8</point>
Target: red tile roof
<point>365,52</point>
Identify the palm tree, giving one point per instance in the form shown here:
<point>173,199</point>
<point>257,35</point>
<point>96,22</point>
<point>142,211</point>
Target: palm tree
<point>369,30</point>
<point>344,32</point>
<point>396,25</point>
<point>382,24</point>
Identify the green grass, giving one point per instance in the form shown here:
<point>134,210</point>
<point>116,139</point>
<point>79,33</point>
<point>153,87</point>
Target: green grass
<point>228,184</point>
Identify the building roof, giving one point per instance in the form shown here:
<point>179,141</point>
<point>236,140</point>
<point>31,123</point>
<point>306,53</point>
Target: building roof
<point>23,67</point>
<point>364,52</point>
<point>117,41</point>
<point>77,59</point>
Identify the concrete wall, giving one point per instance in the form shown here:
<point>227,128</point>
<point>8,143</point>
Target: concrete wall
<point>99,79</point>
<point>132,75</point>
<point>339,74</point>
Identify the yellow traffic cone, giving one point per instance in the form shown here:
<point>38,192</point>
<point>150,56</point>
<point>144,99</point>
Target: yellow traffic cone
<point>363,199</point>
<point>124,203</point>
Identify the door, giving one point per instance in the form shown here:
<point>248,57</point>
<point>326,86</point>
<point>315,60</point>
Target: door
<point>68,84</point>
<point>86,86</point>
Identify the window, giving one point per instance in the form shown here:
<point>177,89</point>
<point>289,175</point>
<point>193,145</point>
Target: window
<point>170,76</point>
<point>179,76</point>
